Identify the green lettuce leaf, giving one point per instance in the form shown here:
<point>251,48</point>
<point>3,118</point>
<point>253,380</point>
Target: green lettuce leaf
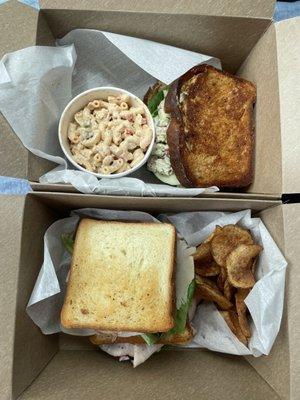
<point>155,101</point>
<point>68,242</point>
<point>180,319</point>
<point>151,338</point>
<point>182,313</point>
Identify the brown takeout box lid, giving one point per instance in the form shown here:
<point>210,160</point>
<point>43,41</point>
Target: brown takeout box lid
<point>244,8</point>
<point>281,369</point>
<point>234,26</point>
<point>288,53</point>
<point>12,208</point>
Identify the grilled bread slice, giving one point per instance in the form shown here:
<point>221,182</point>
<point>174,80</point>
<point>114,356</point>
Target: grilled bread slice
<point>121,277</point>
<point>182,338</point>
<point>210,135</point>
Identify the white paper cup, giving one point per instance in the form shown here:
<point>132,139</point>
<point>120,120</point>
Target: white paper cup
<point>78,103</point>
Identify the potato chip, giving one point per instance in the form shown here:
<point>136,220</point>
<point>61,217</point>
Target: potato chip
<point>228,290</point>
<point>239,334</point>
<point>232,321</point>
<point>227,317</point>
<point>241,310</point>
<point>253,265</point>
<point>203,254</point>
<point>222,278</point>
<point>239,266</point>
<point>228,256</point>
<point>208,269</point>
<point>217,230</point>
<point>208,290</point>
<point>227,240</point>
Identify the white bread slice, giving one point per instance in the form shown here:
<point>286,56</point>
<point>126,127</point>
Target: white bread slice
<point>121,277</point>
<point>177,338</point>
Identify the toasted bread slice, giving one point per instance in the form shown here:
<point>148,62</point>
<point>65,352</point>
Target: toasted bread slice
<point>210,136</point>
<point>182,338</point>
<point>121,277</point>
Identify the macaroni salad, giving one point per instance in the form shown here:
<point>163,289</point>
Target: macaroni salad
<point>109,136</point>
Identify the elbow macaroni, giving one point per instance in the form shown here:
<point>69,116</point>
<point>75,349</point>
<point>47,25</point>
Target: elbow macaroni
<point>109,136</point>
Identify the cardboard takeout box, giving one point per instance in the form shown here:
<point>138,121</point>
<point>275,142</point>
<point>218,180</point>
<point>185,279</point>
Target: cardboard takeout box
<point>36,366</point>
<point>240,33</point>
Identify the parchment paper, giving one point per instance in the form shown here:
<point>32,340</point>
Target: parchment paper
<point>36,84</point>
<point>265,301</point>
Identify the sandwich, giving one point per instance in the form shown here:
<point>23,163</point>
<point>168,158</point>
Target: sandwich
<point>122,284</point>
<point>204,129</point>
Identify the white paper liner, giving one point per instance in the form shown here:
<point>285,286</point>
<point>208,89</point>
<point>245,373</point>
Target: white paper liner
<point>265,301</point>
<point>36,84</point>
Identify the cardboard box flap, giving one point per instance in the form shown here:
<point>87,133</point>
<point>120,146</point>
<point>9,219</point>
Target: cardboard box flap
<point>273,65</point>
<point>30,360</point>
<point>11,214</point>
<point>24,21</point>
<point>21,245</point>
<point>19,24</point>
<point>245,8</point>
<point>260,67</point>
<point>281,368</point>
<point>288,53</point>
<point>169,375</point>
<point>291,217</point>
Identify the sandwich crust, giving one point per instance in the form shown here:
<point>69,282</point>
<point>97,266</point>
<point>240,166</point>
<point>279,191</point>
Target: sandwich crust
<point>210,136</point>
